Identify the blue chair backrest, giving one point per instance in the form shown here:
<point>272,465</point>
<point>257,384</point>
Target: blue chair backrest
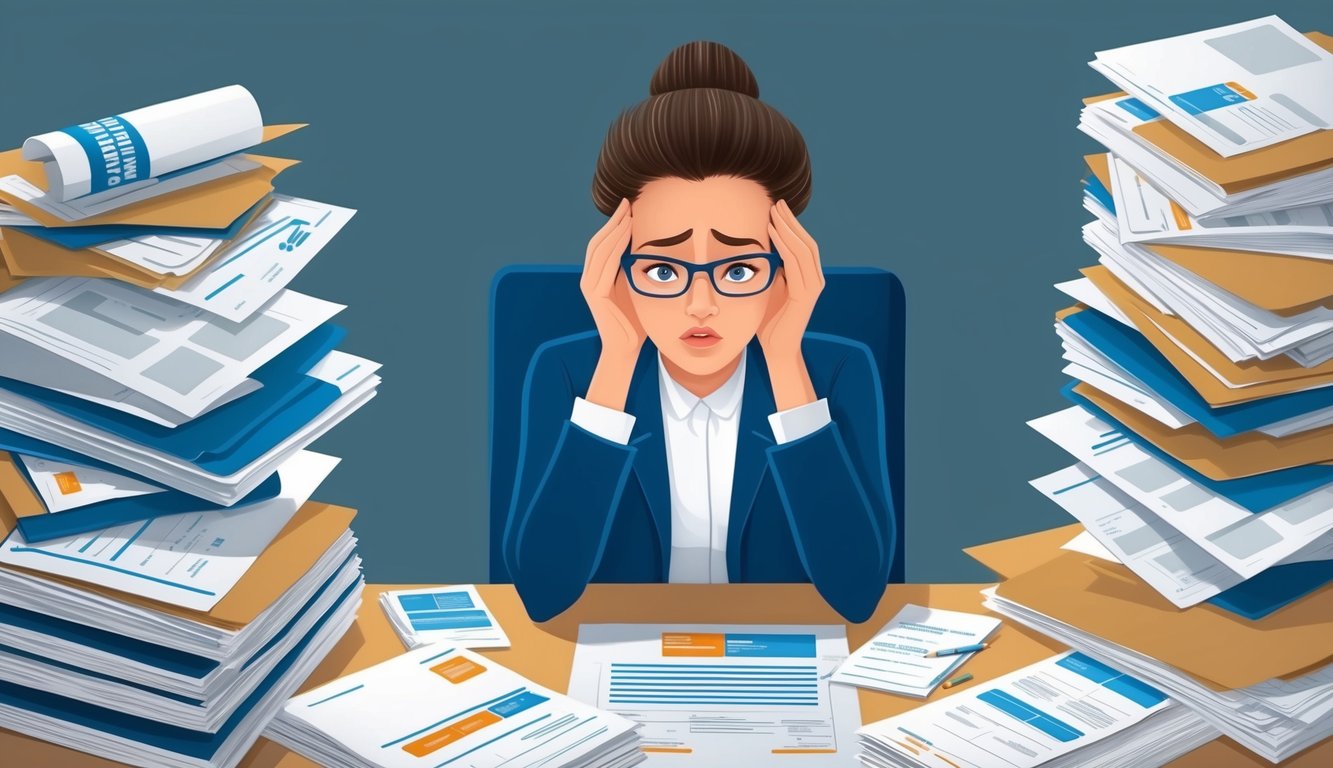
<point>532,304</point>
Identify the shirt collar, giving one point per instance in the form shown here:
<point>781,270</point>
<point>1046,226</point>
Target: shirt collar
<point>679,402</point>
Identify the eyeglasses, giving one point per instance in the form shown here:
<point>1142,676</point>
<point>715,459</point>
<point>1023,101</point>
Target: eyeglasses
<point>662,277</point>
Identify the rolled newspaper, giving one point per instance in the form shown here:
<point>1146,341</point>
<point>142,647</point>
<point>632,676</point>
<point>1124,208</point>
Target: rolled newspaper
<point>131,148</point>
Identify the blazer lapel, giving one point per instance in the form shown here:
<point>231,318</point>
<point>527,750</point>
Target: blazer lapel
<point>650,463</point>
<point>754,438</point>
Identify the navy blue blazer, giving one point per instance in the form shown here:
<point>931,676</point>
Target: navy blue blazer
<point>817,509</point>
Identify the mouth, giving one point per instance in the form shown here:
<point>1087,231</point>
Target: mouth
<point>700,337</point>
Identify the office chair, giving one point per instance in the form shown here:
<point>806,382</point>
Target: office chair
<point>532,304</point>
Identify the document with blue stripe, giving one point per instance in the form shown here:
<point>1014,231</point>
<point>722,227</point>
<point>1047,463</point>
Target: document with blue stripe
<point>895,659</point>
<point>442,707</point>
<point>1049,710</point>
<point>716,695</point>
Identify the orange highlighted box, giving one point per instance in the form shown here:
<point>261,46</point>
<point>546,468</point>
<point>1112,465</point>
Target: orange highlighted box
<point>671,750</point>
<point>1182,218</point>
<point>693,644</point>
<point>458,669</point>
<point>805,751</point>
<point>451,733</point>
<point>1238,88</point>
<point>68,483</point>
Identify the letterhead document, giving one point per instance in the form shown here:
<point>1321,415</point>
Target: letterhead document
<point>436,707</point>
<point>715,695</point>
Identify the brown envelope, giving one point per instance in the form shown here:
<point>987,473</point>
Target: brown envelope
<point>7,280</point>
<point>1251,453</point>
<point>1303,154</point>
<point>306,537</point>
<point>214,204</point>
<point>1010,557</point>
<point>1220,649</point>
<point>1180,344</point>
<point>14,489</point>
<point>1286,285</point>
<point>29,256</point>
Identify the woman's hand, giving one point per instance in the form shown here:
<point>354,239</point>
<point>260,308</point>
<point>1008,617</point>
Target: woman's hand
<point>790,308</point>
<point>608,299</point>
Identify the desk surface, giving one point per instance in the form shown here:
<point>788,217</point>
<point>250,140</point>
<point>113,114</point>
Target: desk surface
<point>545,652</point>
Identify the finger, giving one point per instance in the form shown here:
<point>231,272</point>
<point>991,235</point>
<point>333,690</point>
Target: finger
<point>594,269</point>
<point>811,276</point>
<point>791,268</point>
<point>800,231</point>
<point>616,217</point>
<point>794,257</point>
<point>608,258</point>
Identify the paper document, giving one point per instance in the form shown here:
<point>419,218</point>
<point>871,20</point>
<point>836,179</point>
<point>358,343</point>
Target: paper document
<point>1235,88</point>
<point>264,259</point>
<point>176,354</point>
<point>447,707</point>
<point>1025,719</point>
<point>192,559</point>
<point>454,615</point>
<point>711,695</point>
<point>63,486</point>
<point>1245,542</point>
<point>895,659</point>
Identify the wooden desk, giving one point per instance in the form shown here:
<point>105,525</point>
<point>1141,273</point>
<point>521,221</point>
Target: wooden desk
<point>545,652</point>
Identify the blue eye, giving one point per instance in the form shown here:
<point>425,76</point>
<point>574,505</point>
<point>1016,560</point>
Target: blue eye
<point>660,273</point>
<point>739,273</point>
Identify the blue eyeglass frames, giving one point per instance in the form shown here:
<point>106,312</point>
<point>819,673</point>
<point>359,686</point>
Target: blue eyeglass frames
<point>663,277</point>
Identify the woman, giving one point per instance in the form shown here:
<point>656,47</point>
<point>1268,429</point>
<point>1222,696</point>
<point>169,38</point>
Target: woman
<point>700,435</point>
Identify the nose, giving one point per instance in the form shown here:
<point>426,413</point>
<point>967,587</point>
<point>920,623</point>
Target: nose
<point>701,301</point>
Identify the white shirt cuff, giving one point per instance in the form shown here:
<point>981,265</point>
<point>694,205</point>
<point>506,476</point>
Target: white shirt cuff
<point>606,423</point>
<point>796,423</point>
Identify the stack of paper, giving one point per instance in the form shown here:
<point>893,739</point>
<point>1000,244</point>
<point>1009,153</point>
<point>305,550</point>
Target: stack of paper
<point>447,706</point>
<point>454,615</point>
<point>165,582</point>
<point>897,659</point>
<point>1202,417</point>
<point>1068,710</point>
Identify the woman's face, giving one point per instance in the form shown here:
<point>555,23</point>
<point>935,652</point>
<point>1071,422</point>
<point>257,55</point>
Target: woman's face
<point>701,222</point>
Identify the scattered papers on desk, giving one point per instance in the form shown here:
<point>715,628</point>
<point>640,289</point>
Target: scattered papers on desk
<point>1235,88</point>
<point>432,707</point>
<point>264,259</point>
<point>723,695</point>
<point>454,615</point>
<point>1068,710</point>
<point>192,559</point>
<point>895,659</point>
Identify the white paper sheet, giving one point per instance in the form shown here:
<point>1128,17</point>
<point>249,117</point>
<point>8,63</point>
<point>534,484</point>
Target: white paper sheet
<point>63,486</point>
<point>644,671</point>
<point>895,659</point>
<point>453,615</point>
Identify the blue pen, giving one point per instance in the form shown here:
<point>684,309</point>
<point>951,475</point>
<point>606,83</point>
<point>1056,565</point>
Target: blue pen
<point>959,649</point>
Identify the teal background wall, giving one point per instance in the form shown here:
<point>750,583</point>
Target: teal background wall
<point>943,143</point>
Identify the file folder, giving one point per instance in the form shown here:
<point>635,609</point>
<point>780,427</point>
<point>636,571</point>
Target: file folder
<point>1252,453</point>
<point>1131,351</point>
<point>214,204</point>
<point>1257,493</point>
<point>226,439</point>
<point>74,238</point>
<point>41,525</point>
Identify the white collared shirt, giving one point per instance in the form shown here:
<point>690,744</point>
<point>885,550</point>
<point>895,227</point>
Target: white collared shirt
<point>701,436</point>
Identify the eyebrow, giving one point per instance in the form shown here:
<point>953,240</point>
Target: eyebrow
<point>729,240</point>
<point>673,240</point>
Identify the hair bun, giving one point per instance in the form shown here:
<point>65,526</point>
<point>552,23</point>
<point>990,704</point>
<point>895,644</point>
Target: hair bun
<point>703,64</point>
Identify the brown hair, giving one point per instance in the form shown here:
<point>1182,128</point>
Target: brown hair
<point>703,117</point>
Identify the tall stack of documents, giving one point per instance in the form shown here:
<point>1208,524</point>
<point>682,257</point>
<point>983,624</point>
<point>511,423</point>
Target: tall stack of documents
<point>1201,353</point>
<point>165,581</point>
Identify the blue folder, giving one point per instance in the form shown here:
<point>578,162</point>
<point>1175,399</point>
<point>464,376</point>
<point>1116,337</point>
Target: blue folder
<point>226,439</point>
<point>1257,493</point>
<point>87,237</point>
<point>1095,187</point>
<point>1275,588</point>
<point>195,744</point>
<point>1130,350</point>
<point>113,512</point>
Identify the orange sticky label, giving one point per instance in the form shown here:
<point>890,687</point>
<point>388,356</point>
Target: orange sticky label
<point>451,733</point>
<point>458,669</point>
<point>1182,218</point>
<point>1238,88</point>
<point>670,750</point>
<point>693,644</point>
<point>68,483</point>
